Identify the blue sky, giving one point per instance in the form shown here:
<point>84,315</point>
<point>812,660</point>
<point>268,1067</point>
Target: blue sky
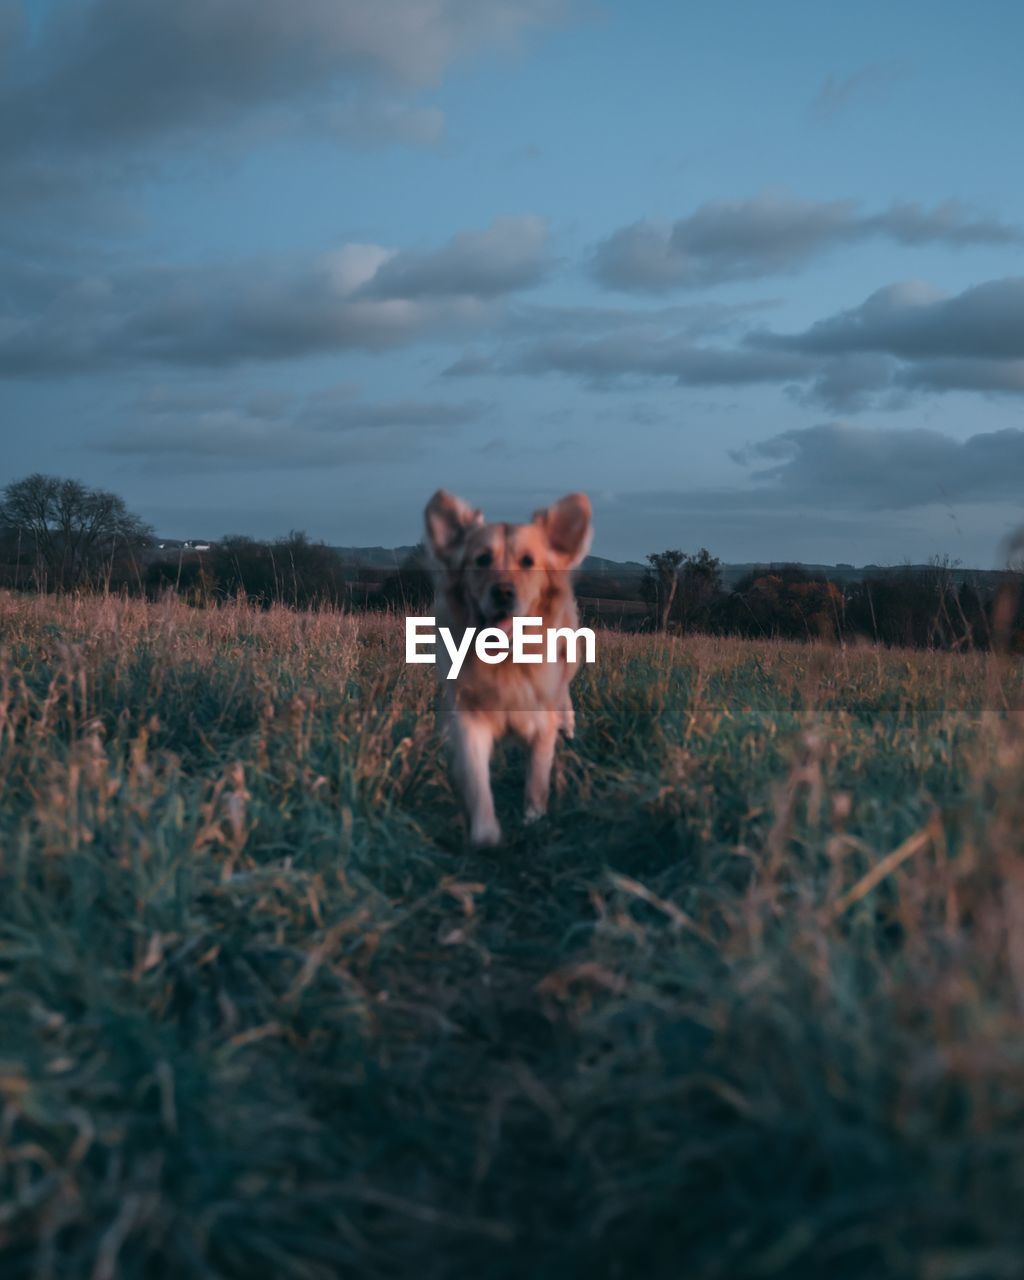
<point>752,276</point>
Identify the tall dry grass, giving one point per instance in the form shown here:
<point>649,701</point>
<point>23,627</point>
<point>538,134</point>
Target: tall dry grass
<point>750,1003</point>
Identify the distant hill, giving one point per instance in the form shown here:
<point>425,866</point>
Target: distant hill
<point>376,556</point>
<point>598,564</point>
<point>388,558</point>
<point>391,557</point>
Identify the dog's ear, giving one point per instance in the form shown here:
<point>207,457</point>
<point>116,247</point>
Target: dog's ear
<point>447,519</point>
<point>568,528</point>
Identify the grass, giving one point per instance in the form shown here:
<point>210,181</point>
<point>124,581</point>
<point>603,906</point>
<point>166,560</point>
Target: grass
<point>750,1003</point>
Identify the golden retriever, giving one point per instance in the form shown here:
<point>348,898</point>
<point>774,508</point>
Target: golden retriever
<point>489,574</point>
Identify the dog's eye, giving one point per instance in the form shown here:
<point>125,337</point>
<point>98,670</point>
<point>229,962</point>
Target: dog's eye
<point>484,559</point>
<point>527,561</point>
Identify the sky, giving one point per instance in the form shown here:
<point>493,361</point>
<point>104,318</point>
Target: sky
<point>752,276</point>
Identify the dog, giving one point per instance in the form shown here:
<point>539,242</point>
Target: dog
<point>487,575</point>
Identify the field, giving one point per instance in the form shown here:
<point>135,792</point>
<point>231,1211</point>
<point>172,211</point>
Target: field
<point>749,1004</point>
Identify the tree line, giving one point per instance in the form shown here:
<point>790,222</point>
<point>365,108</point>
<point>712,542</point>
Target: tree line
<point>59,535</point>
<point>922,606</point>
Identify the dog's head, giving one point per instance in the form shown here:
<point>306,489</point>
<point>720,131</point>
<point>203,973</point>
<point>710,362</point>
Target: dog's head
<point>503,571</point>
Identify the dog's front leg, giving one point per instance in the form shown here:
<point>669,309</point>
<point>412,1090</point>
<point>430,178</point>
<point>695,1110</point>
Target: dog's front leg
<point>538,774</point>
<point>567,714</point>
<point>473,743</point>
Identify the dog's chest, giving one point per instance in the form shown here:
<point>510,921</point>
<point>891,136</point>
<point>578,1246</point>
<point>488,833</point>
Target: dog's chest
<point>511,687</point>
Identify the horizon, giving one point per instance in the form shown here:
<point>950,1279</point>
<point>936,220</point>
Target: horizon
<point>593,555</point>
<point>751,286</point>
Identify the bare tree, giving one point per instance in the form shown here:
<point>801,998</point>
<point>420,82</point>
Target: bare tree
<point>73,533</point>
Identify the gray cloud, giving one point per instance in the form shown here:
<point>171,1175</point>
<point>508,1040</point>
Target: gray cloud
<point>54,322</point>
<point>116,72</point>
<point>615,356</point>
<point>508,255</point>
<point>910,337</point>
<point>837,93</point>
<point>902,340</point>
<point>471,364</point>
<point>750,239</point>
<point>694,319</point>
<point>751,528</point>
<point>625,332</point>
<point>850,383</point>
<point>837,491</point>
<point>841,465</point>
<point>914,321</point>
<point>189,431</point>
<point>964,375</point>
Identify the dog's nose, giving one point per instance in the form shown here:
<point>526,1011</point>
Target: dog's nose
<point>503,594</point>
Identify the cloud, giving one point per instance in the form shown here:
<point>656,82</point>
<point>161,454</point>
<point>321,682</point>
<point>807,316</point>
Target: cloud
<point>839,491</point>
<point>772,234</point>
<point>604,359</point>
<point>837,93</point>
<point>748,531</point>
<point>509,255</point>
<point>949,223</point>
<point>470,364</point>
<point>358,297</point>
<point>912,320</point>
<point>189,431</point>
<point>839,464</point>
<point>992,376</point>
<point>605,345</point>
<point>625,332</point>
<point>695,319</point>
<point>119,72</point>
<point>905,339</point>
<point>910,336</point>
<point>850,383</point>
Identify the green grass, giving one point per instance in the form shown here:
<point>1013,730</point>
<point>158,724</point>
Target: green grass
<point>262,1013</point>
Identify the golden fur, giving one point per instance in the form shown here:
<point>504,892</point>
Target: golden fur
<point>488,574</point>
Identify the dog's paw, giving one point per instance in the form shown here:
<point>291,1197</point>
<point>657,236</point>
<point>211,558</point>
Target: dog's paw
<point>485,835</point>
<point>533,814</point>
